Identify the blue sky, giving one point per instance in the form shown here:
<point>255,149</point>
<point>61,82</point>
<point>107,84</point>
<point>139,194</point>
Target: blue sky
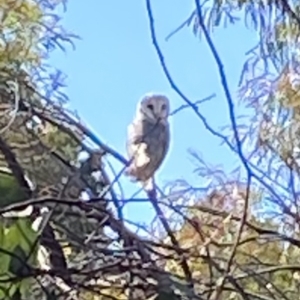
<point>115,64</point>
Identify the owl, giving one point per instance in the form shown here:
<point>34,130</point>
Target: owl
<point>148,138</point>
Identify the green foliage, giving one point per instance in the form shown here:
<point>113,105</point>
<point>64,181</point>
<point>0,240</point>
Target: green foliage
<point>20,32</point>
<point>18,254</point>
<point>10,191</point>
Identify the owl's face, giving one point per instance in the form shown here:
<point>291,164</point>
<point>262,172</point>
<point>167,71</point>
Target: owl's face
<point>154,107</point>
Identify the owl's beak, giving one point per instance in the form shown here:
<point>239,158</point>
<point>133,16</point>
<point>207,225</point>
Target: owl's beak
<point>158,118</point>
<point>162,120</point>
<point>155,116</point>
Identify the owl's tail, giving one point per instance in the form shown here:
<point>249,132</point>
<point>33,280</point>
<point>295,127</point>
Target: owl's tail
<point>149,185</point>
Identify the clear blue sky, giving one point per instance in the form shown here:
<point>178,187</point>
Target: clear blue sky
<point>115,64</point>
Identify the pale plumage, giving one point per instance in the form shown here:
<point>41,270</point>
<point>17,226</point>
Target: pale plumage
<point>148,138</point>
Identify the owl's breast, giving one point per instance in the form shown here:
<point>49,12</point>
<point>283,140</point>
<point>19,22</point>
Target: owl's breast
<point>156,134</point>
<point>157,139</point>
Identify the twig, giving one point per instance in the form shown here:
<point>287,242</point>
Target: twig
<point>15,88</point>
<point>173,239</point>
<point>187,22</point>
<point>286,7</point>
<point>15,168</point>
<point>184,106</point>
<point>235,131</point>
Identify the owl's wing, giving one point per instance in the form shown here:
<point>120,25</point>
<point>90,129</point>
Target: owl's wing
<point>134,141</point>
<point>135,133</point>
<point>166,137</point>
<point>136,148</point>
<point>161,144</point>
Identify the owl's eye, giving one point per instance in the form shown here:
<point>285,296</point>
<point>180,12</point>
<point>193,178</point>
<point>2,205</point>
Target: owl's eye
<point>164,106</point>
<point>150,106</point>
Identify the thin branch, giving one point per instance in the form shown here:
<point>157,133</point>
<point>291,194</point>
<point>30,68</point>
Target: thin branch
<point>184,106</point>
<point>15,168</point>
<point>187,22</point>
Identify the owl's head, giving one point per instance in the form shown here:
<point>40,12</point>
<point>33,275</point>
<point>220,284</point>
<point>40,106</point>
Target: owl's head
<point>154,107</point>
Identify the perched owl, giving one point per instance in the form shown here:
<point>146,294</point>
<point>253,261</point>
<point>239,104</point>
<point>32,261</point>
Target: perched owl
<point>148,138</point>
